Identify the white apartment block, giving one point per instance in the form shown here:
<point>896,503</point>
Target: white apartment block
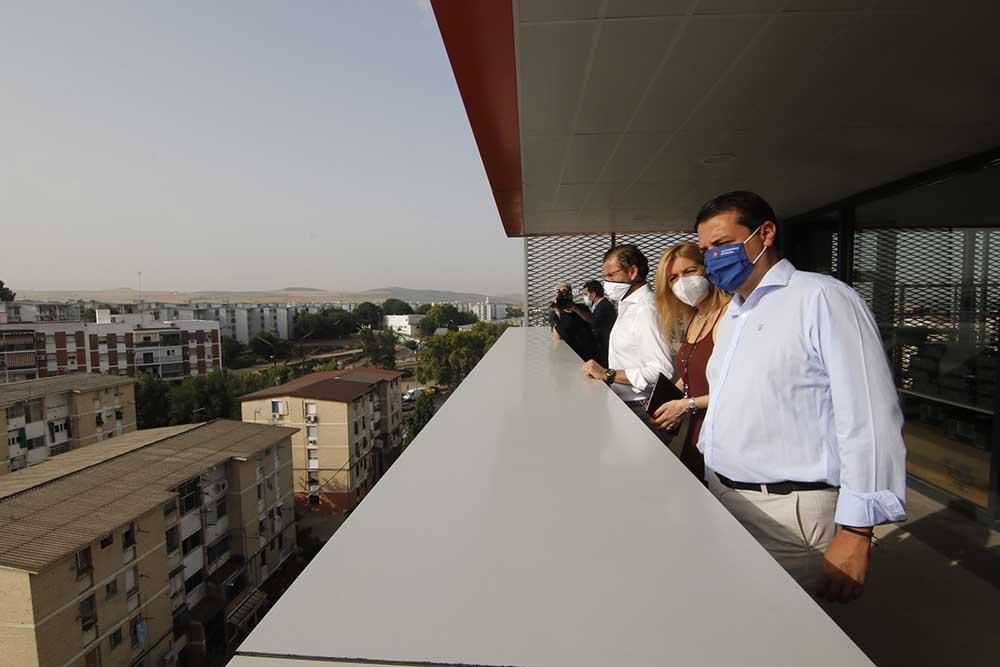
<point>407,325</point>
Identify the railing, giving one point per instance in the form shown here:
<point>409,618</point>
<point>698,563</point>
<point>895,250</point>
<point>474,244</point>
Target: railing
<point>558,532</point>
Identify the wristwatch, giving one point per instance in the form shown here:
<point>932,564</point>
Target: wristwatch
<point>609,376</point>
<point>692,406</point>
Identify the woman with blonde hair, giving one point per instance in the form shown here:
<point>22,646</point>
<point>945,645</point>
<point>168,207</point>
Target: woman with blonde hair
<point>688,308</point>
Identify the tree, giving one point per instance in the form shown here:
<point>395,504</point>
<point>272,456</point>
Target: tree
<point>396,307</point>
<point>327,324</point>
<point>444,316</point>
<point>380,348</point>
<point>448,358</point>
<point>269,346</point>
<point>152,402</point>
<point>423,308</point>
<point>516,312</point>
<point>5,293</point>
<point>368,315</point>
<point>423,410</point>
<point>235,354</point>
<point>202,398</point>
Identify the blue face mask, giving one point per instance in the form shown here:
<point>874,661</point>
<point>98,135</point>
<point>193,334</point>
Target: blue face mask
<point>728,266</point>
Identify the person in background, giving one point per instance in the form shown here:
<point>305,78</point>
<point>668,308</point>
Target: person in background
<point>637,353</point>
<point>803,435</point>
<point>568,326</point>
<point>601,314</point>
<point>688,308</point>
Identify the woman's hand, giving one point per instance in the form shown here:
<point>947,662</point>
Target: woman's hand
<point>670,414</point>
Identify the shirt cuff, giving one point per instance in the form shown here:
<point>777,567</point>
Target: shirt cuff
<point>868,509</point>
<point>635,379</point>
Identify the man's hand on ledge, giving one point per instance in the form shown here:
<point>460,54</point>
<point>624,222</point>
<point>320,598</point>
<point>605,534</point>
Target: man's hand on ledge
<point>845,566</point>
<point>595,370</point>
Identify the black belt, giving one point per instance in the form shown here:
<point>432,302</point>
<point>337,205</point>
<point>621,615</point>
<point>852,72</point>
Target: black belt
<point>777,488</point>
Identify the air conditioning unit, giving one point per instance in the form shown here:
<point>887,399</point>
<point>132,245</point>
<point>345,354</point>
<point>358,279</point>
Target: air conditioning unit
<point>310,419</point>
<point>222,487</point>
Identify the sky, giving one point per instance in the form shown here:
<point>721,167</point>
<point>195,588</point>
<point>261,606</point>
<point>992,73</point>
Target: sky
<point>240,145</point>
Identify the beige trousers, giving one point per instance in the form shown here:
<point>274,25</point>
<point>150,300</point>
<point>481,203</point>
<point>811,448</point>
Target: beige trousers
<point>795,528</point>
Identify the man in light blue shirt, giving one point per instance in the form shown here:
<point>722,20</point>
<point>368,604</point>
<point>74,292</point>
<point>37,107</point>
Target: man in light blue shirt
<point>803,434</point>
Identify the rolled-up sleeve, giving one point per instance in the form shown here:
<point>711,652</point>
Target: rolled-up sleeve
<point>866,410</point>
<point>654,353</point>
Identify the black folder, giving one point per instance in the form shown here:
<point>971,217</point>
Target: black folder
<point>663,391</point>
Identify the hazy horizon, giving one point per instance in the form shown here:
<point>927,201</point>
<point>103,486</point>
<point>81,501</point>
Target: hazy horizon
<point>236,147</point>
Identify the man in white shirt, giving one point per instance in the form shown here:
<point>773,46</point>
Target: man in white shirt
<point>637,353</point>
<point>803,434</point>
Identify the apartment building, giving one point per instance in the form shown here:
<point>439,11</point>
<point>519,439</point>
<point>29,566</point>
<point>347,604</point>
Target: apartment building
<point>335,452</point>
<point>124,346</point>
<point>233,319</point>
<point>38,311</point>
<point>51,416</point>
<point>388,414</point>
<point>489,312</point>
<point>148,551</point>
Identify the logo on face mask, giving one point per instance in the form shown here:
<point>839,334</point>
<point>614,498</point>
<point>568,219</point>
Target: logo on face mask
<point>728,266</point>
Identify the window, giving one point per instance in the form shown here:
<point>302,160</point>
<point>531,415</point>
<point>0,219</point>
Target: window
<point>313,455</point>
<point>111,589</point>
<point>312,432</point>
<point>173,539</point>
<point>263,557</point>
<point>260,492</point>
<point>137,632</point>
<point>84,563</point>
<point>270,482</point>
<point>261,528</point>
<point>147,357</point>
<point>275,407</point>
<point>193,582</point>
<point>35,443</point>
<point>131,581</point>
<point>88,613</point>
<point>191,543</point>
<point>311,409</point>
<point>281,541</point>
<point>356,429</point>
<point>364,421</point>
<point>107,541</point>
<point>128,537</point>
<point>169,507</point>
<point>220,508</point>
<point>217,550</point>
<point>190,495</point>
<point>99,419</point>
<point>116,639</point>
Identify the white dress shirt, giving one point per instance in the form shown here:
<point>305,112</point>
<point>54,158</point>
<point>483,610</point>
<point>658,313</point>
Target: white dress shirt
<point>801,391</point>
<point>636,346</point>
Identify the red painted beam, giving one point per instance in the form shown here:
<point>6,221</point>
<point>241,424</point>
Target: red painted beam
<point>479,38</point>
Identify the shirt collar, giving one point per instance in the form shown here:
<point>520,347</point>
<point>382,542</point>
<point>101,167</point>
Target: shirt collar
<point>640,294</point>
<point>777,276</point>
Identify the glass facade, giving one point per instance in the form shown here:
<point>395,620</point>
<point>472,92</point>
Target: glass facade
<point>927,262</point>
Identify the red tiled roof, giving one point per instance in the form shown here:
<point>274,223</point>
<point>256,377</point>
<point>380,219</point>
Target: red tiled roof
<point>325,386</point>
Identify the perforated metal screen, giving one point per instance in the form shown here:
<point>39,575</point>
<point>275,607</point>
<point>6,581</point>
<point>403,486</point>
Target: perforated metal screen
<point>934,294</point>
<point>551,260</point>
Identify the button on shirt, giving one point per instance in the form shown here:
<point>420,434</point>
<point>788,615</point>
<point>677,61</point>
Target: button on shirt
<point>801,391</point>
<point>636,346</point>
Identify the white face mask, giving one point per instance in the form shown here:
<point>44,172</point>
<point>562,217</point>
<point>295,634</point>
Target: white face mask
<point>615,291</point>
<point>587,300</point>
<point>690,289</point>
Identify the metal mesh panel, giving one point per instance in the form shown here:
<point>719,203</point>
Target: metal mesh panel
<point>552,260</point>
<point>931,293</point>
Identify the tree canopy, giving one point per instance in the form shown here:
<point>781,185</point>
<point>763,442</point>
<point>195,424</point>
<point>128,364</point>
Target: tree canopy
<point>423,308</point>
<point>5,293</point>
<point>380,348</point>
<point>327,324</point>
<point>448,358</point>
<point>396,307</point>
<point>444,316</point>
<point>267,346</point>
<point>367,314</point>
<point>423,410</point>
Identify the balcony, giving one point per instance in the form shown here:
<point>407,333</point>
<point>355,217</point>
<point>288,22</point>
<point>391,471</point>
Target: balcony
<point>571,537</point>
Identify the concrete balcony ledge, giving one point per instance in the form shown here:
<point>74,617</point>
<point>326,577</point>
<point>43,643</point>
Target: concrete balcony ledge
<point>536,522</point>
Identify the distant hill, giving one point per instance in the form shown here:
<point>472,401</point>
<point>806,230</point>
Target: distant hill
<point>428,296</point>
<point>284,295</point>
